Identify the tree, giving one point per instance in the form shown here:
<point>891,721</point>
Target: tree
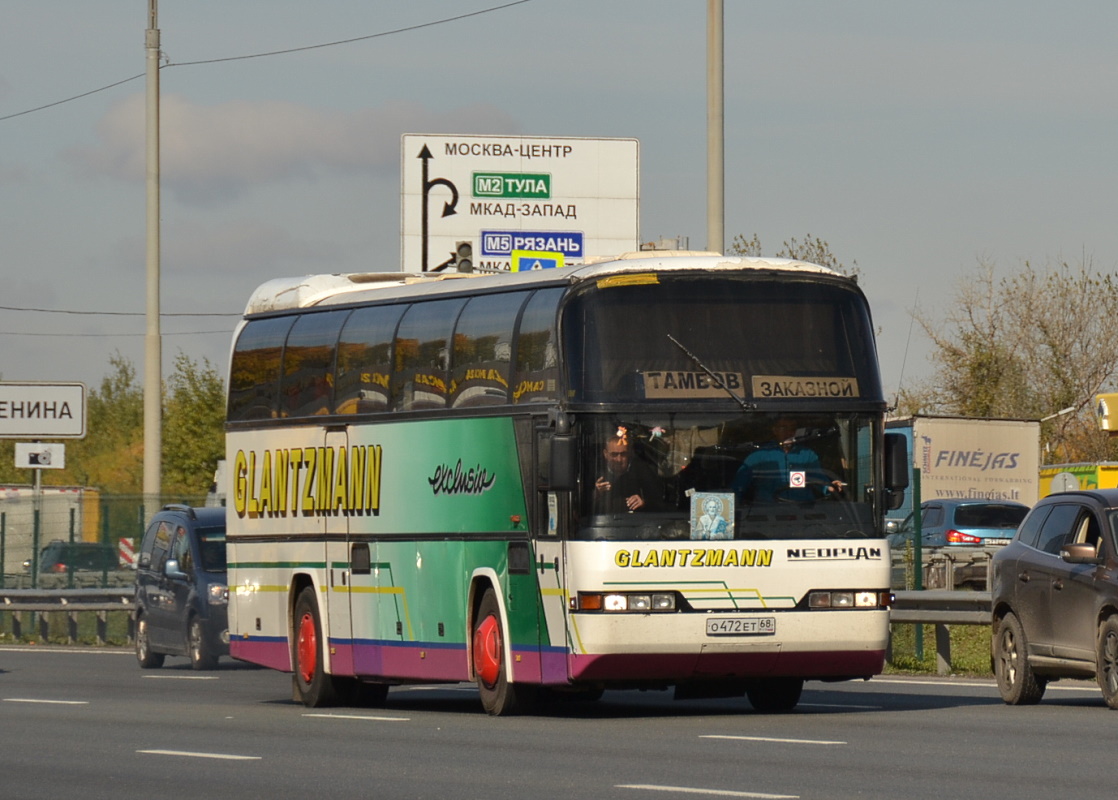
<point>111,457</point>
<point>193,427</point>
<point>812,249</point>
<point>1027,346</point>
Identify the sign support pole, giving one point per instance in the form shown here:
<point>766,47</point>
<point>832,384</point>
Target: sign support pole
<point>153,343</point>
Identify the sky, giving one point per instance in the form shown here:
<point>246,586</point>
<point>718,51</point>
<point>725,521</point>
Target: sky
<point>917,139</point>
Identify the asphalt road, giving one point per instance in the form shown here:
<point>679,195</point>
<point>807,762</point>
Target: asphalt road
<point>89,723</point>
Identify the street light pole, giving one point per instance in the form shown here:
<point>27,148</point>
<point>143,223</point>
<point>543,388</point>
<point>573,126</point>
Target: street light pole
<point>716,148</point>
<point>153,343</point>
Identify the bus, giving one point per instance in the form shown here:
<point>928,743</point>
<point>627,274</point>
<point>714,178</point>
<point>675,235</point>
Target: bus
<point>560,482</point>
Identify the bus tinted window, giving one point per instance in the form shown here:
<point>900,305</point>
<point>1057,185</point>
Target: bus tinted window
<point>766,338</point>
<point>536,375</point>
<point>422,355</point>
<point>365,359</point>
<point>255,371</point>
<point>308,364</point>
<point>483,350</point>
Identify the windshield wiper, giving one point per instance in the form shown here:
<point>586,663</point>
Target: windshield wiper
<point>718,380</point>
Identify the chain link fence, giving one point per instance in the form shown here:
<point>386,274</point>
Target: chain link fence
<point>71,538</point>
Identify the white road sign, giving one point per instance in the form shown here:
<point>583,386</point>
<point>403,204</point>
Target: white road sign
<point>42,410</point>
<point>40,455</point>
<point>499,194</point>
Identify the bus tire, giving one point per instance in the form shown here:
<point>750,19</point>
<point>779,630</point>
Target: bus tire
<point>312,685</point>
<point>774,695</point>
<point>498,696</point>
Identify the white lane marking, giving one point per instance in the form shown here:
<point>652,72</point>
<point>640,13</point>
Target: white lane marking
<point>769,739</point>
<point>189,754</point>
<point>651,787</point>
<point>180,677</point>
<point>839,705</point>
<point>359,716</point>
<point>46,702</point>
<point>100,651</point>
<point>435,687</point>
<point>991,685</point>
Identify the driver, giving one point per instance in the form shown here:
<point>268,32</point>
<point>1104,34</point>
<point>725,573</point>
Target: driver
<point>627,484</point>
<point>781,469</point>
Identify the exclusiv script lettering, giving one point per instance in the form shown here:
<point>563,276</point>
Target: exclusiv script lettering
<point>457,480</point>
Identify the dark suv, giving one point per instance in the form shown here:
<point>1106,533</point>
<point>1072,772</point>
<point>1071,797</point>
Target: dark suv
<point>181,591</point>
<point>1055,597</point>
<point>59,556</point>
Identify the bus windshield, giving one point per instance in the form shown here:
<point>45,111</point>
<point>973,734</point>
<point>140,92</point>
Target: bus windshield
<point>763,337</point>
<point>726,476</point>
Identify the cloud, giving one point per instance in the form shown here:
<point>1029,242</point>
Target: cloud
<point>211,155</point>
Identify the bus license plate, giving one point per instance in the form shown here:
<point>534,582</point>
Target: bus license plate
<point>741,626</point>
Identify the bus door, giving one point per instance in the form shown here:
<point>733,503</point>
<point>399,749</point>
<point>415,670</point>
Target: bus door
<point>339,571</point>
<point>549,512</point>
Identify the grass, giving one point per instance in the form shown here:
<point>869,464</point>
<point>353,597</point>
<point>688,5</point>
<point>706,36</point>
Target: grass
<point>116,632</point>
<point>970,644</point>
<point>970,650</point>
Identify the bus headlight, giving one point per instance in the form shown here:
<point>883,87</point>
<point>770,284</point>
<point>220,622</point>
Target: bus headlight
<point>624,602</point>
<point>849,599</point>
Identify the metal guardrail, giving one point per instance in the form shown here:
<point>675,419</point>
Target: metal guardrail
<point>45,603</point>
<point>942,608</point>
<point>938,607</point>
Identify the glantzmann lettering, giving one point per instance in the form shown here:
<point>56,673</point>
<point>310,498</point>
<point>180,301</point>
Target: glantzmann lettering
<point>307,481</point>
<point>693,557</point>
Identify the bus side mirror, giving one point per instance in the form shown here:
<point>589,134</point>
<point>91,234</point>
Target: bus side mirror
<point>563,466</point>
<point>896,468</point>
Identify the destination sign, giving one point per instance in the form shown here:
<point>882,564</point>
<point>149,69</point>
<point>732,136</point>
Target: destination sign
<point>669,384</point>
<point>512,184</point>
<point>784,386</point>
<point>502,243</point>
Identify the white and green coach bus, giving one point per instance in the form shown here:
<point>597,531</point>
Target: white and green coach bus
<point>563,481</point>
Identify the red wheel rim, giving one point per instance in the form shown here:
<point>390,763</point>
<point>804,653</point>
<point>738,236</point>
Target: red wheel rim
<point>487,650</point>
<point>306,648</point>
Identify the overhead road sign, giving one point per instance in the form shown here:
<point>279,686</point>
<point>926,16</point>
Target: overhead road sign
<point>575,196</point>
<point>526,260</point>
<point>42,410</point>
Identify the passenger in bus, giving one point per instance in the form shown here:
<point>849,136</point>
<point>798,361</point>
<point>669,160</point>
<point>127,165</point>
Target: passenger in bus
<point>628,483</point>
<point>783,469</point>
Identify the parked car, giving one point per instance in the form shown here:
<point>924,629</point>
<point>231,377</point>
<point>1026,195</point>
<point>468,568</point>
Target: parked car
<point>59,557</point>
<point>975,523</point>
<point>1055,598</point>
<point>181,592</point>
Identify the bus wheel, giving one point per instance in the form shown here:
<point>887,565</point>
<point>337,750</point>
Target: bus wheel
<point>498,695</point>
<point>312,685</point>
<point>774,695</point>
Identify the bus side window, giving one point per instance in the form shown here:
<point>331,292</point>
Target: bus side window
<point>535,375</point>
<point>254,377</point>
<point>307,386</point>
<point>423,354</point>
<point>365,360</point>
<point>483,350</point>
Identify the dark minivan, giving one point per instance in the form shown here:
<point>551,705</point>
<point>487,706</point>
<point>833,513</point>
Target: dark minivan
<point>1055,597</point>
<point>181,592</point>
